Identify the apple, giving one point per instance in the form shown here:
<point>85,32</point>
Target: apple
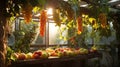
<point>86,51</point>
<point>14,56</point>
<point>83,51</point>
<point>49,50</point>
<point>70,53</point>
<point>44,55</point>
<point>21,56</point>
<point>37,54</point>
<point>64,53</point>
<point>54,54</point>
<point>68,49</point>
<point>29,55</point>
<point>58,49</point>
<point>77,52</point>
<point>60,54</point>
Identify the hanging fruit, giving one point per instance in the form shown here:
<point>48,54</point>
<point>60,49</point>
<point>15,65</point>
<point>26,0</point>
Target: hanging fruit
<point>56,17</point>
<point>43,20</point>
<point>79,25</point>
<point>103,20</point>
<point>27,12</point>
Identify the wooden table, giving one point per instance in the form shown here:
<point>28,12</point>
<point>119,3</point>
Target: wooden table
<point>76,61</point>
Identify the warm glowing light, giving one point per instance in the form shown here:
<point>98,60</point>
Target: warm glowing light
<point>50,16</point>
<point>84,5</point>
<point>113,1</point>
<point>54,34</point>
<point>49,11</point>
<point>65,0</point>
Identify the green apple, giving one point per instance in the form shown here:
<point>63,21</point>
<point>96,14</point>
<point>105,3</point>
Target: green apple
<point>44,54</point>
<point>29,55</point>
<point>14,56</point>
<point>70,53</point>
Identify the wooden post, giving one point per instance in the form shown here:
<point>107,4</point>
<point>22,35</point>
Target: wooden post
<point>2,33</point>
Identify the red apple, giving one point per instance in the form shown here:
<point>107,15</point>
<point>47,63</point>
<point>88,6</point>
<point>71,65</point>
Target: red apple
<point>37,54</point>
<point>21,56</point>
<point>64,53</point>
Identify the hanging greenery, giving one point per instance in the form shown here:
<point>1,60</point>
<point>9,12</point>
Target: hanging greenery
<point>68,13</point>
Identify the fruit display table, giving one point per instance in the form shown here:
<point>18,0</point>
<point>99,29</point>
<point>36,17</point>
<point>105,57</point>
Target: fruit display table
<point>74,61</point>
